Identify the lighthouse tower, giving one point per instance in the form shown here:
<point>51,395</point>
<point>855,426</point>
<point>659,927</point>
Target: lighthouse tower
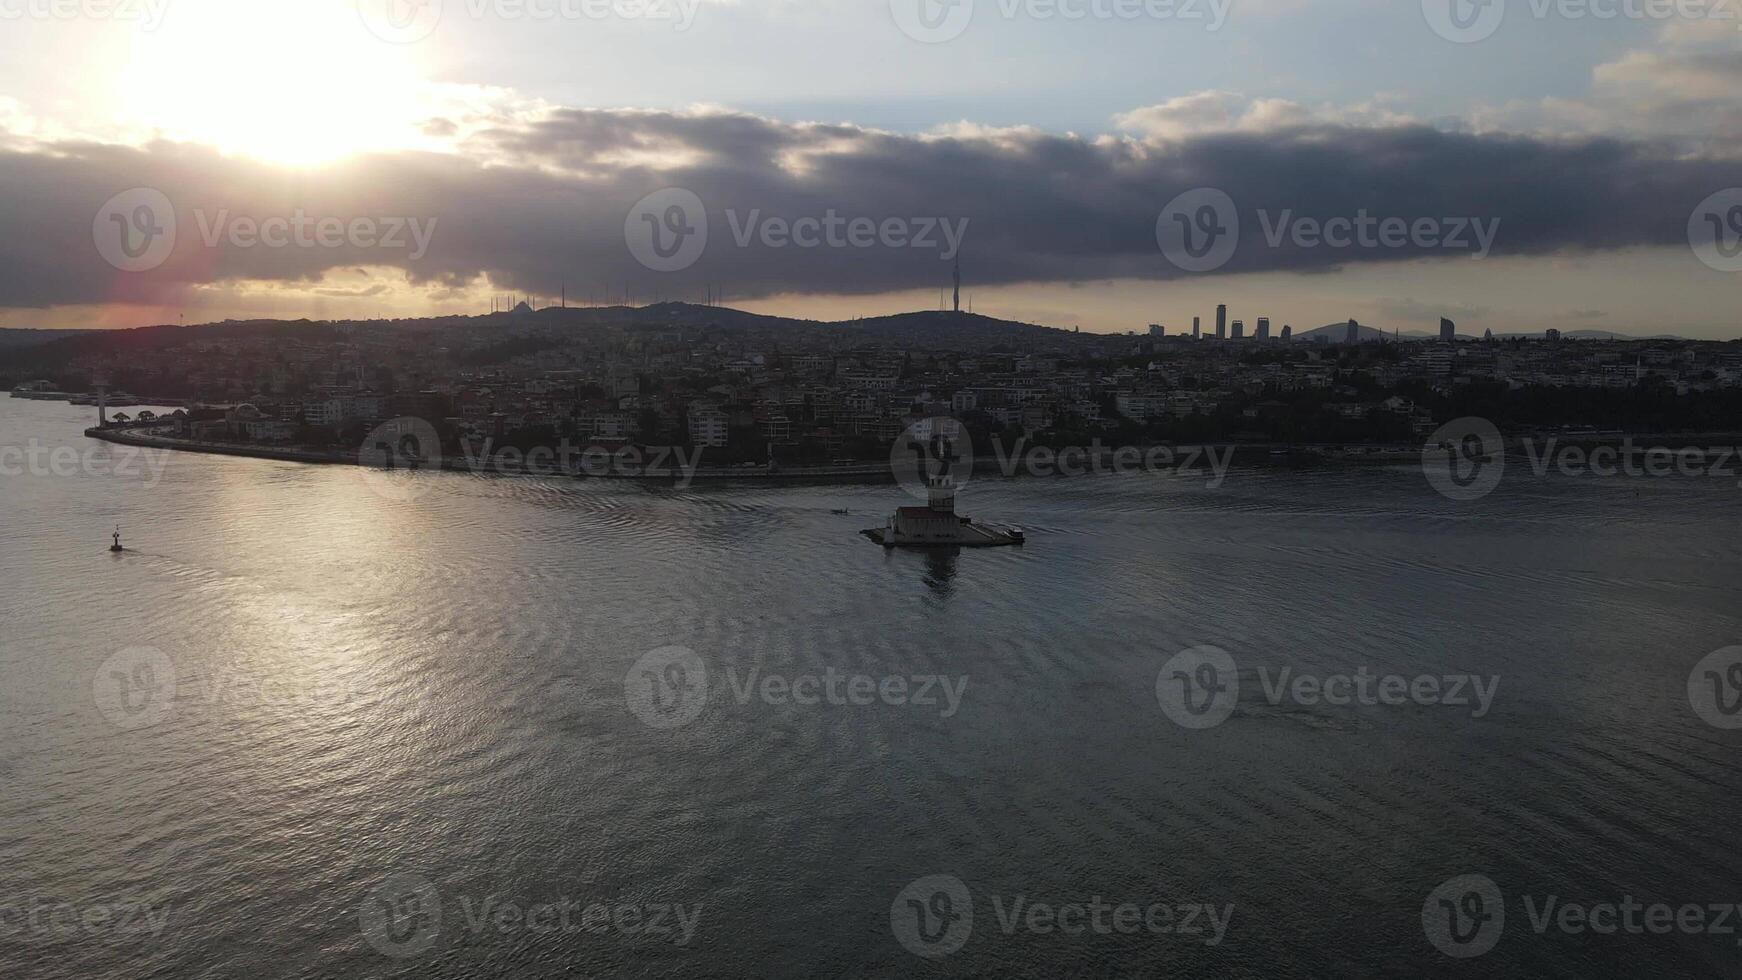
<point>941,494</point>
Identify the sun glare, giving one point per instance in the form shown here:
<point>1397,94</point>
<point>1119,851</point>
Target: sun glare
<point>290,81</point>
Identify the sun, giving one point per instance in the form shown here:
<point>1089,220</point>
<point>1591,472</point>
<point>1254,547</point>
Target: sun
<point>298,82</point>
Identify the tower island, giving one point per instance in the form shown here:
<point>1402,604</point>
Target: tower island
<point>937,525</point>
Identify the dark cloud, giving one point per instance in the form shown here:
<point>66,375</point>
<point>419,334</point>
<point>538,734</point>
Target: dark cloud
<point>538,204</point>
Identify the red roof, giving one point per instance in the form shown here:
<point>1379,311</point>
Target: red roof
<point>924,513</point>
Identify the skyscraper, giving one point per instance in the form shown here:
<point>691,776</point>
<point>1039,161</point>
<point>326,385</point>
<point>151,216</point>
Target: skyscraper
<point>1197,327</point>
<point>1222,321</point>
<point>1354,334</point>
<point>1448,331</point>
<point>1287,333</point>
<point>1239,329</point>
<point>1157,330</point>
<point>1263,328</point>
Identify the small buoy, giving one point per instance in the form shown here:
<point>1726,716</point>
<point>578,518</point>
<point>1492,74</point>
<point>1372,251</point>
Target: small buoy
<point>117,536</point>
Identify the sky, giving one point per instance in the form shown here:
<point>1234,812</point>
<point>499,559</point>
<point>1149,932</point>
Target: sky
<point>1104,164</point>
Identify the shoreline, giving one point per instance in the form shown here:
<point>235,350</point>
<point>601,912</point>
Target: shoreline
<point>1185,458</point>
<point>496,465</point>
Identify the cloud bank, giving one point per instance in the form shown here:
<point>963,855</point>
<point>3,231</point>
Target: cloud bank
<point>532,203</point>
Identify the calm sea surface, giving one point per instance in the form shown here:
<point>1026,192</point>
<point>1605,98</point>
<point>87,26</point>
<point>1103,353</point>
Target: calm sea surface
<point>414,699</point>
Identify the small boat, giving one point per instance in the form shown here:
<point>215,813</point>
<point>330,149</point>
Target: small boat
<point>839,510</point>
<point>117,536</point>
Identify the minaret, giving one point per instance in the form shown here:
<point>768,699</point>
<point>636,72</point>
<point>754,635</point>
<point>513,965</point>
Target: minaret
<point>958,300</point>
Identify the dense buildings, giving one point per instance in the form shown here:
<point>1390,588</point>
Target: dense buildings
<point>752,388</point>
